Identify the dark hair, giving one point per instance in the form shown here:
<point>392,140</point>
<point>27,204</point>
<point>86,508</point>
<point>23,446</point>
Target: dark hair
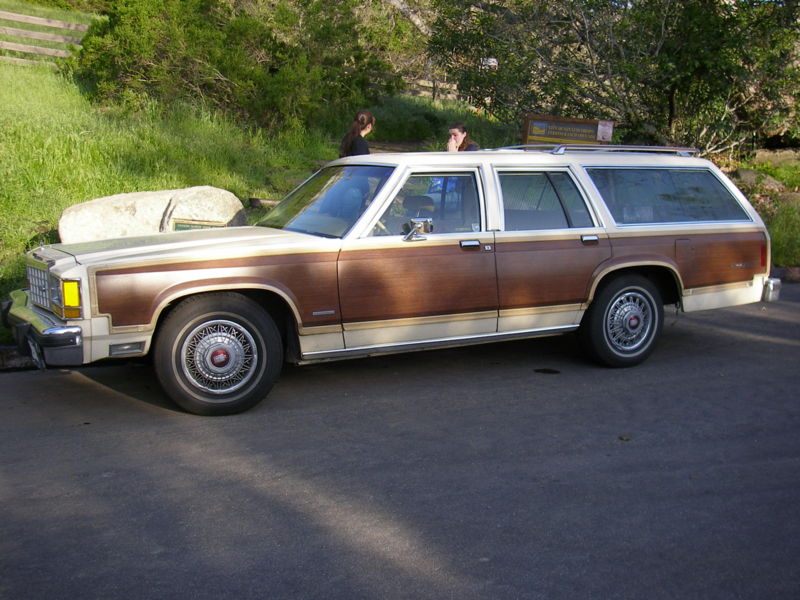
<point>467,141</point>
<point>361,121</point>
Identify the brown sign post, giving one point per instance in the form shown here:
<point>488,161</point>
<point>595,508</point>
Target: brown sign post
<point>540,129</point>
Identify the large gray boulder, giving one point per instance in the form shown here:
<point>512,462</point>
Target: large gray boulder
<point>777,157</point>
<point>145,213</point>
<point>751,178</point>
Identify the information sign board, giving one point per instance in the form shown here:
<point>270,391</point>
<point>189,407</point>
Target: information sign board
<point>546,129</point>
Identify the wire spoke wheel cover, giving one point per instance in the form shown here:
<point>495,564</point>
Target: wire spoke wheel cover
<point>629,321</point>
<point>219,356</point>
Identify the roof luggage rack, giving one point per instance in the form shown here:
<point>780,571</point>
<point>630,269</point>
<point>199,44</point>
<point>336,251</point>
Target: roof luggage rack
<point>564,148</point>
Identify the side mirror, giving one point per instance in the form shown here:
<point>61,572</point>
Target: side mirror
<point>419,227</point>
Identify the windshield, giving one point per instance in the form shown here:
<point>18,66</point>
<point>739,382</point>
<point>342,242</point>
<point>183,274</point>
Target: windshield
<point>330,202</point>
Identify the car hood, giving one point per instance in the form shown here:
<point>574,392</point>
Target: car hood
<point>197,244</point>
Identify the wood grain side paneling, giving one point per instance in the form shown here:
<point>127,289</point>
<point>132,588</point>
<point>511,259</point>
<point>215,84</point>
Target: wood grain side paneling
<point>417,279</point>
<point>703,259</point>
<point>546,272</point>
<point>132,296</point>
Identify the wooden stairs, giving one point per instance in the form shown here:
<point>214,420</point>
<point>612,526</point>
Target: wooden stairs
<point>31,40</point>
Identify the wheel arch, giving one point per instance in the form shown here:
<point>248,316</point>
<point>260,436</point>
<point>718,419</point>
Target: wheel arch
<point>280,308</point>
<point>663,275</point>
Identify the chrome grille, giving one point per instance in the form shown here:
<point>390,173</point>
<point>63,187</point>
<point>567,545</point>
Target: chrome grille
<point>39,286</point>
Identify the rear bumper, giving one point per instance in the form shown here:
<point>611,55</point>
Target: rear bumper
<point>49,341</point>
<point>772,290</point>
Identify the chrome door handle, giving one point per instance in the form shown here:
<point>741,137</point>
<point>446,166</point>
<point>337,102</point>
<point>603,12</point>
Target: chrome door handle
<point>590,239</point>
<point>470,244</point>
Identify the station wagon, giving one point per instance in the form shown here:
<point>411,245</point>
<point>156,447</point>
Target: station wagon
<point>387,253</point>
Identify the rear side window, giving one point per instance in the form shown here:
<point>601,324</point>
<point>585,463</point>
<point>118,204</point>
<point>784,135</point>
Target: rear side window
<point>539,200</point>
<point>665,196</point>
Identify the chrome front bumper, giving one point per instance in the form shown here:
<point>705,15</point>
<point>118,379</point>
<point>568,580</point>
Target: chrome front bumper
<point>772,290</point>
<point>39,334</point>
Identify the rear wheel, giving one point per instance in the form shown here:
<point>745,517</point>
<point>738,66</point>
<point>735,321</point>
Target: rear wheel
<point>218,354</point>
<point>623,322</point>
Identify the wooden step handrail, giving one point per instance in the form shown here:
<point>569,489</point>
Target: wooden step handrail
<point>33,49</point>
<point>27,62</point>
<point>40,35</point>
<point>8,16</point>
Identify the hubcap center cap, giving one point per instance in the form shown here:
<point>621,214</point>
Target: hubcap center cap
<point>220,358</point>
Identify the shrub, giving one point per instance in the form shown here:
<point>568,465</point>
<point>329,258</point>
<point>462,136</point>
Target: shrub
<point>784,226</point>
<point>274,65</point>
<point>409,119</point>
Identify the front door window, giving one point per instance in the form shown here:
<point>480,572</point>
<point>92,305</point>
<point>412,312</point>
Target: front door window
<point>449,200</point>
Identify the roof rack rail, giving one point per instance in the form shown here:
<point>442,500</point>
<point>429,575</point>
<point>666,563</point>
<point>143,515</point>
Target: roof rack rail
<point>564,148</point>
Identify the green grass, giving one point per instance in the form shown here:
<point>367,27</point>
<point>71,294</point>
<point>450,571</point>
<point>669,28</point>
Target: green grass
<point>784,227</point>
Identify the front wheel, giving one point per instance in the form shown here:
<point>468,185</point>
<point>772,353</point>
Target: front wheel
<point>622,324</point>
<point>218,354</point>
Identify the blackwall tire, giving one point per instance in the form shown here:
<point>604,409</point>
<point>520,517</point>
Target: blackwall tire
<point>623,323</point>
<point>218,354</point>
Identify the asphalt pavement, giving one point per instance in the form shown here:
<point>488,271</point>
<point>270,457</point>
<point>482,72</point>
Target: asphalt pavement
<point>514,470</point>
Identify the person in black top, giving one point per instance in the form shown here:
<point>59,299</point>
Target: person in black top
<point>459,140</point>
<point>354,143</point>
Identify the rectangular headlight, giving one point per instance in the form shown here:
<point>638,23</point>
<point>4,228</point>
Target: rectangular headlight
<point>65,297</point>
<point>72,293</point>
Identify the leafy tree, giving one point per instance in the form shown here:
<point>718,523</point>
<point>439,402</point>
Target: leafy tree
<point>712,73</point>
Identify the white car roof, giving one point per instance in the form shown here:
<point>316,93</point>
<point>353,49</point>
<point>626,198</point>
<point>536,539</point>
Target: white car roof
<point>544,156</point>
